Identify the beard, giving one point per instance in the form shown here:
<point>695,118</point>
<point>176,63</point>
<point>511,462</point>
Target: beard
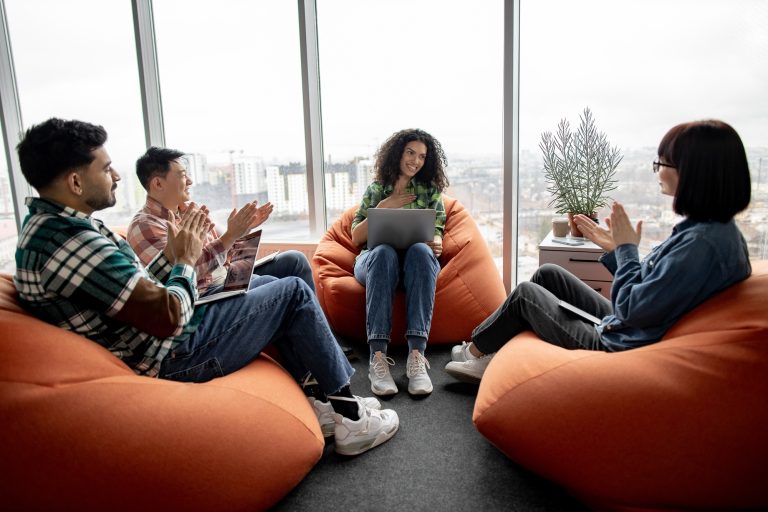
<point>102,202</point>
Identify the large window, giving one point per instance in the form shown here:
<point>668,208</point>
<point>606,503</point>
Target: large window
<point>77,60</point>
<point>230,78</point>
<point>641,67</point>
<point>434,65</point>
<point>8,232</point>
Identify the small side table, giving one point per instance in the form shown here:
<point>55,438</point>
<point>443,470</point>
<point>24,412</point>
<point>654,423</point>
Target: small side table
<point>580,260</point>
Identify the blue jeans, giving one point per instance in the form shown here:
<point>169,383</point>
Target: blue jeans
<point>535,306</point>
<point>379,270</point>
<point>286,264</point>
<point>234,331</point>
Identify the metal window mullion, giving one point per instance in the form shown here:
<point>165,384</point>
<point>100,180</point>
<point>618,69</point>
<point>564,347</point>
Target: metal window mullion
<point>149,78</point>
<point>511,141</point>
<point>313,132</point>
<point>10,117</point>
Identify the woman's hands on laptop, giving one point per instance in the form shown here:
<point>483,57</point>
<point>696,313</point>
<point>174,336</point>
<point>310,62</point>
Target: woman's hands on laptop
<point>437,246</point>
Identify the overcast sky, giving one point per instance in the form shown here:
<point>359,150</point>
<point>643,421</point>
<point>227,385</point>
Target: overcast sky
<point>230,70</point>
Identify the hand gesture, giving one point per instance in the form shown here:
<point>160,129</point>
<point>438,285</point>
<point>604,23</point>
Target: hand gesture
<point>239,221</point>
<point>186,240</point>
<point>396,200</point>
<point>621,226</point>
<point>620,230</point>
<point>183,207</point>
<point>437,246</point>
<point>262,214</point>
<point>599,236</point>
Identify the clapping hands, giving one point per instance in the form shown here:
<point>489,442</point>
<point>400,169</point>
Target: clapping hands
<point>246,218</point>
<point>186,240</point>
<point>619,229</point>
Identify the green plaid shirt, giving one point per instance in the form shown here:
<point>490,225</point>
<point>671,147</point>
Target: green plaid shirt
<point>427,197</point>
<point>73,272</point>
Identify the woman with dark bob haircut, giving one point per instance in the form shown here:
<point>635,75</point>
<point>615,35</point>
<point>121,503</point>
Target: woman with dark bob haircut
<point>703,165</point>
<point>409,173</point>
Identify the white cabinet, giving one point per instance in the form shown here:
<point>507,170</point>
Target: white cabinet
<point>580,260</point>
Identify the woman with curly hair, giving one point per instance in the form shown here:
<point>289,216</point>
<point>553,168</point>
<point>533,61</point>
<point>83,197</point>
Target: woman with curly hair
<point>408,173</point>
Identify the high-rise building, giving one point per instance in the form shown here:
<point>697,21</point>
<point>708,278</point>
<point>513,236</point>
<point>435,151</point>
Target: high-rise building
<point>250,175</point>
<point>197,168</point>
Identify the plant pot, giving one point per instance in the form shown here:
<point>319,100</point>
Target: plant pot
<point>575,231</point>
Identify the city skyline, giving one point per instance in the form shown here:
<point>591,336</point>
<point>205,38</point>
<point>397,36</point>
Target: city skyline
<point>230,78</point>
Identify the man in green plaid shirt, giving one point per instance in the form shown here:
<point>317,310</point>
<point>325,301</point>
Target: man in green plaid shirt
<point>73,272</point>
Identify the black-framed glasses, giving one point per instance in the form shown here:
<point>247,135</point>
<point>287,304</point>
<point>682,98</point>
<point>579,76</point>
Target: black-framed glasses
<point>656,166</point>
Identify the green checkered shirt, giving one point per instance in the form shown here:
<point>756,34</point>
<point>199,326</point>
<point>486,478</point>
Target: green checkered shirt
<point>427,197</point>
<point>73,272</point>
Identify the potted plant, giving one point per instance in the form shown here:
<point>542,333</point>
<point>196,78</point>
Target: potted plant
<point>579,168</point>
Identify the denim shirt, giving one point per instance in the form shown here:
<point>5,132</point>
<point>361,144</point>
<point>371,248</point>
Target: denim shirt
<point>698,260</point>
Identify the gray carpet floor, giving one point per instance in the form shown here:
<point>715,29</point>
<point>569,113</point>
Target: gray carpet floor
<point>437,461</point>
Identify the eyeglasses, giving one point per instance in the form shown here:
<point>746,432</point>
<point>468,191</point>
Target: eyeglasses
<point>656,166</point>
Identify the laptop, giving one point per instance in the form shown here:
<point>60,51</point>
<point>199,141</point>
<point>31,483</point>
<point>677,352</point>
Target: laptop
<point>400,227</point>
<point>242,261</point>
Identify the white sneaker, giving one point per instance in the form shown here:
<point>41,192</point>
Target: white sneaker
<point>373,428</point>
<point>459,352</point>
<point>382,383</point>
<point>324,412</point>
<point>416,371</point>
<point>471,370</point>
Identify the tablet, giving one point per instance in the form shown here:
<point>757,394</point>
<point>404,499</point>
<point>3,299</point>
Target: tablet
<point>583,314</point>
<point>400,227</point>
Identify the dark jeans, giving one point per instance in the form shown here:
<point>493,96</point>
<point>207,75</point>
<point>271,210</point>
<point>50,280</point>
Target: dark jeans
<point>534,305</point>
<point>380,270</point>
<point>234,331</point>
<point>286,264</point>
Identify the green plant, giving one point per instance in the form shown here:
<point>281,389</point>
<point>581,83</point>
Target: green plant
<point>579,167</point>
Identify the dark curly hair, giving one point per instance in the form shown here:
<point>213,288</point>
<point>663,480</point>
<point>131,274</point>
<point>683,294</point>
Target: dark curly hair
<point>51,148</point>
<point>387,166</point>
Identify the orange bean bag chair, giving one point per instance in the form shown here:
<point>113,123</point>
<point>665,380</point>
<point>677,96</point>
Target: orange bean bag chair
<point>680,424</point>
<point>81,431</point>
<point>468,289</point>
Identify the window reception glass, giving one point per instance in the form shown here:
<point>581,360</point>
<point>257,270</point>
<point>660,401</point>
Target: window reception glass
<point>77,60</point>
<point>230,78</point>
<point>641,67</point>
<point>8,232</point>
<point>434,65</point>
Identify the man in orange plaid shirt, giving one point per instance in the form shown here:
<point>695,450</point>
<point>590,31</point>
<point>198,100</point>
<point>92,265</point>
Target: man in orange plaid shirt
<point>163,175</point>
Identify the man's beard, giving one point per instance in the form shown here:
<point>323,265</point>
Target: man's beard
<point>100,203</point>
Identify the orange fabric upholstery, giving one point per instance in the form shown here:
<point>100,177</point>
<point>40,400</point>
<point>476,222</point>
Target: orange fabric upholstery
<point>468,287</point>
<point>81,431</point>
<point>680,424</point>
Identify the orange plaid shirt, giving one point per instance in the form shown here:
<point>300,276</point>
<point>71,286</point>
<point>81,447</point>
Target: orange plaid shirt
<point>148,235</point>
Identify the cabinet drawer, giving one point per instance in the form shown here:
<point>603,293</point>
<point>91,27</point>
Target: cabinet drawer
<point>601,287</point>
<point>583,265</point>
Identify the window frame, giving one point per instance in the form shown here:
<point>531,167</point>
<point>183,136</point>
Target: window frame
<point>151,99</point>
